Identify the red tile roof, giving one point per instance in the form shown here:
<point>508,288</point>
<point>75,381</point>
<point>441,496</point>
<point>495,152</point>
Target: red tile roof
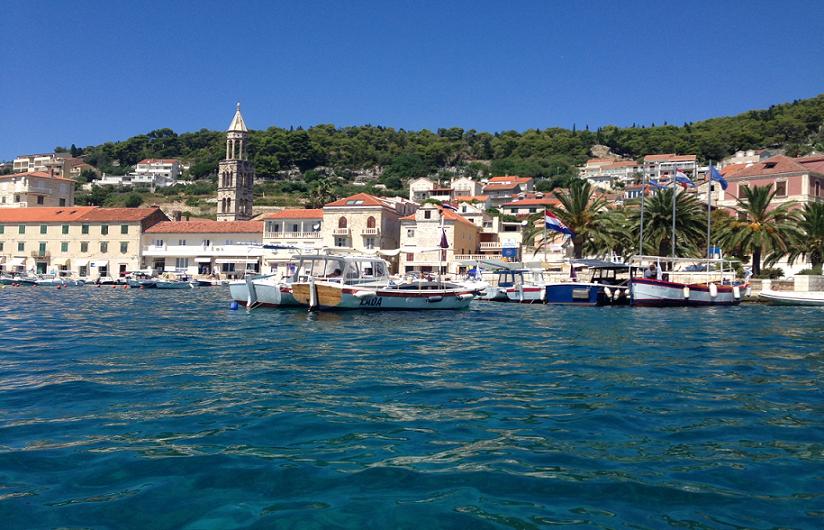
<point>207,227</point>
<point>546,201</point>
<point>470,198</point>
<point>298,213</point>
<point>119,214</point>
<point>658,158</point>
<point>40,174</point>
<point>509,178</point>
<point>600,161</point>
<point>500,187</point>
<point>364,199</point>
<point>448,215</point>
<point>772,166</point>
<point>74,213</point>
<point>731,169</point>
<point>813,163</point>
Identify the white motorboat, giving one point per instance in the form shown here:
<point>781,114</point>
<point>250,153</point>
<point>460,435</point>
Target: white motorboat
<point>268,290</point>
<point>703,282</point>
<point>173,284</point>
<point>812,298</point>
<point>529,287</point>
<point>362,282</point>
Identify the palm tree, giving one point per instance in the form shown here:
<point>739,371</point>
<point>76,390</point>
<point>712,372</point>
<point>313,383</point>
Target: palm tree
<point>759,229</point>
<point>808,243</point>
<point>322,192</point>
<point>690,224</point>
<point>593,224</point>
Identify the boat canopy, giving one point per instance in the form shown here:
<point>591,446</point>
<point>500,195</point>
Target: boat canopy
<point>599,264</point>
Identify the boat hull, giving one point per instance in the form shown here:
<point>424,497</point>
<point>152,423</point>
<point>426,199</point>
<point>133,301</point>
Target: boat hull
<point>811,298</point>
<point>580,293</point>
<point>530,294</point>
<point>659,293</point>
<point>174,285</point>
<point>269,294</point>
<point>333,296</point>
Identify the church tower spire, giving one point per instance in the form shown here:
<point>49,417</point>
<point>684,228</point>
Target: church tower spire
<point>236,174</point>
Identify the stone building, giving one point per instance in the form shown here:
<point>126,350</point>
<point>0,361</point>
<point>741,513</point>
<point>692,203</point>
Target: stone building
<point>421,235</point>
<point>37,188</point>
<point>236,175</point>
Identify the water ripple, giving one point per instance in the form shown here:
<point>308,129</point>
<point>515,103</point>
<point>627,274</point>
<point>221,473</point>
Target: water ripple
<point>136,409</point>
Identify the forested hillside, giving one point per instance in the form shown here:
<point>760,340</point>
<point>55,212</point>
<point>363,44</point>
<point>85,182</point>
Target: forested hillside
<point>395,154</point>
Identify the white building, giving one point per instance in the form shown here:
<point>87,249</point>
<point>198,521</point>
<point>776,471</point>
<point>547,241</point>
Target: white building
<point>155,173</point>
<point>289,232</point>
<point>204,247</point>
<point>37,188</point>
<point>656,166</point>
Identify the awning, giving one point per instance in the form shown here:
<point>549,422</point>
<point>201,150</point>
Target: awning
<point>17,262</point>
<point>203,260</point>
<point>81,262</point>
<point>100,264</point>
<point>236,260</point>
<point>60,262</point>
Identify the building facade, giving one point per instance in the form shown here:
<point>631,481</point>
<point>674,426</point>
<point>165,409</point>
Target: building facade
<point>31,189</point>
<point>797,180</point>
<point>89,241</point>
<point>236,175</point>
<point>421,238</point>
<point>364,223</point>
<point>289,232</point>
<point>202,247</point>
<point>657,166</point>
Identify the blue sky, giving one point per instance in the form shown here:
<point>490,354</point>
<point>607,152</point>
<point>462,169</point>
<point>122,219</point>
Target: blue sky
<point>88,72</point>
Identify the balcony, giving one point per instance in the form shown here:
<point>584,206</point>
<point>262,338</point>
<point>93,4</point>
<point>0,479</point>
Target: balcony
<point>370,231</point>
<point>38,254</point>
<point>340,232</point>
<point>477,257</point>
<point>292,235</point>
<point>490,245</point>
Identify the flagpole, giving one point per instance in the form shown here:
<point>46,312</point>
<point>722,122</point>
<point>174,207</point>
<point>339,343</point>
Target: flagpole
<point>673,210</point>
<point>544,223</point>
<point>641,234</point>
<point>709,209</point>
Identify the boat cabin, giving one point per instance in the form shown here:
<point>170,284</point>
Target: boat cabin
<point>343,269</point>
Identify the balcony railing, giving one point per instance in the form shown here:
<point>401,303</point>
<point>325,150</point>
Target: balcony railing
<point>40,254</point>
<point>473,257</point>
<point>370,231</point>
<point>491,245</point>
<point>292,235</point>
<point>340,232</point>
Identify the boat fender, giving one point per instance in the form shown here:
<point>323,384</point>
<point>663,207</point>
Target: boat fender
<point>608,292</point>
<point>313,294</point>
<point>736,292</point>
<point>434,299</point>
<point>465,297</point>
<point>234,305</point>
<point>686,292</point>
<point>365,294</point>
<point>713,290</point>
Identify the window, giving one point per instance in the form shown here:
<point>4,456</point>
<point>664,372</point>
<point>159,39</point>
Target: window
<point>104,230</point>
<point>274,227</point>
<point>104,247</point>
<point>1,246</point>
<point>64,246</point>
<point>370,222</point>
<point>295,228</point>
<point>21,229</point>
<point>206,243</point>
<point>17,198</point>
<point>427,214</point>
<point>181,263</point>
<point>84,246</point>
<point>39,199</point>
<point>84,229</point>
<point>44,229</point>
<point>64,229</point>
<point>62,202</point>
<point>781,188</point>
<point>158,243</point>
<point>410,256</point>
<point>2,229</point>
<point>769,165</point>
<point>817,194</point>
<point>181,242</point>
<point>124,229</point>
<point>21,247</point>
<point>369,242</point>
<point>742,189</point>
<point>410,233</point>
<point>42,248</point>
<point>342,222</point>
<point>340,241</point>
<point>124,247</point>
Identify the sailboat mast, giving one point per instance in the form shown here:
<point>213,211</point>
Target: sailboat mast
<point>672,178</point>
<point>643,193</point>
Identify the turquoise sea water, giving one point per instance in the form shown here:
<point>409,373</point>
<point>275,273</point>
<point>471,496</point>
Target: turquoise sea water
<point>152,409</point>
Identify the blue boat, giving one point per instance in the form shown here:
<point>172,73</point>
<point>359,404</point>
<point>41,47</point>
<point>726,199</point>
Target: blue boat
<point>605,287</point>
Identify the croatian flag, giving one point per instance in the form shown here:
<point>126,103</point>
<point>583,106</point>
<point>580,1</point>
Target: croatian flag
<point>450,207</point>
<point>684,180</point>
<point>716,176</point>
<point>553,223</point>
<point>655,184</point>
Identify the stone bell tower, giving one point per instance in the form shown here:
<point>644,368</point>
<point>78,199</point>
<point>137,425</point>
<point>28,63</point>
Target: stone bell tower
<point>235,175</point>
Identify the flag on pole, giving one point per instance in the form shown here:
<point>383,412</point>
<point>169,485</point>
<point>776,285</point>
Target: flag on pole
<point>655,184</point>
<point>444,242</point>
<point>716,176</point>
<point>553,223</point>
<point>684,180</point>
<point>450,207</point>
